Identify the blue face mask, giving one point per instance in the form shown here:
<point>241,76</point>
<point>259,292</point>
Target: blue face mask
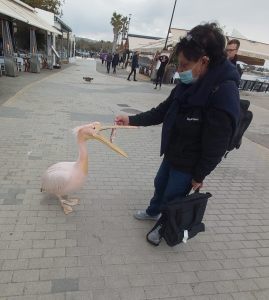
<point>186,77</point>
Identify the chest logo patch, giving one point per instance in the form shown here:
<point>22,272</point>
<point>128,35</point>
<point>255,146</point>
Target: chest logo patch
<point>193,119</point>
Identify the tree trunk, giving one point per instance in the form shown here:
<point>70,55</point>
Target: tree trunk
<point>115,42</point>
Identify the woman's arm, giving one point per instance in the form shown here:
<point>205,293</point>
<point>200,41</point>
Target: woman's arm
<point>217,132</point>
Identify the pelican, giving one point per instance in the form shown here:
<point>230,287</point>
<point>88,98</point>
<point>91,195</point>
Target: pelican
<point>64,178</point>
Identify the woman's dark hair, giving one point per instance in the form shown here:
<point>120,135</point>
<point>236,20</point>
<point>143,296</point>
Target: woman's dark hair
<point>207,39</point>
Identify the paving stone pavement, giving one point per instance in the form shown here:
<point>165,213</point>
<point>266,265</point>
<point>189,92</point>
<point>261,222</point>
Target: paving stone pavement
<point>99,251</point>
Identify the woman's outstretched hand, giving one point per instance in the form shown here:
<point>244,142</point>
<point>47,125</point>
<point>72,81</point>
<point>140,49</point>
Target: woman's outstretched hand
<point>122,120</point>
<point>196,185</point>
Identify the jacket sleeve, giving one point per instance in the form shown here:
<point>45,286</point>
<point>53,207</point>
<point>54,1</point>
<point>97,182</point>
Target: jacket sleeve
<point>155,116</point>
<point>217,132</point>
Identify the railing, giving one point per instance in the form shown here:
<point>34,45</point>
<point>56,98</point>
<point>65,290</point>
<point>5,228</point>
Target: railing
<point>254,85</point>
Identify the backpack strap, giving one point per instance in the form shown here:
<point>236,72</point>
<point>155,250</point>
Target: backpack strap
<point>217,86</point>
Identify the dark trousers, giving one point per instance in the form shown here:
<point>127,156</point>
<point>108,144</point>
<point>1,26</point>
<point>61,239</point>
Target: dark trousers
<point>169,183</point>
<point>114,68</point>
<point>159,78</point>
<point>108,65</point>
<point>133,71</point>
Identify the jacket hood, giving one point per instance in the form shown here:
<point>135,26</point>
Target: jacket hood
<point>225,71</point>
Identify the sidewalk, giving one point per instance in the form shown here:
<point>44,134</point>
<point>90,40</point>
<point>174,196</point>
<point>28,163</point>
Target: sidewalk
<point>9,86</point>
<point>259,129</point>
<point>120,73</point>
<point>99,251</point>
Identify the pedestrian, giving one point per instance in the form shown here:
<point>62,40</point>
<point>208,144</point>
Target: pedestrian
<point>232,50</point>
<point>108,62</point>
<point>199,117</point>
<point>1,47</point>
<point>134,65</point>
<point>121,60</point>
<point>163,60</point>
<point>115,62</point>
<point>103,57</point>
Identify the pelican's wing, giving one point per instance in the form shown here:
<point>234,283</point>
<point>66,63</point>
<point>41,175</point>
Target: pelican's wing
<point>57,177</point>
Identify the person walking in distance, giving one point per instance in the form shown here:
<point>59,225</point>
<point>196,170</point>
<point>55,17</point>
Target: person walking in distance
<point>108,62</point>
<point>163,59</point>
<point>134,66</point>
<point>103,58</point>
<point>115,62</point>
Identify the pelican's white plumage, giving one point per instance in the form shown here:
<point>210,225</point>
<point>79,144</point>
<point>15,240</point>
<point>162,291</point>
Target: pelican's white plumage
<point>64,178</point>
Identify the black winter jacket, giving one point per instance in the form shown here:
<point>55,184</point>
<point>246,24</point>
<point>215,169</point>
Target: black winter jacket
<point>115,60</point>
<point>135,61</point>
<point>198,121</point>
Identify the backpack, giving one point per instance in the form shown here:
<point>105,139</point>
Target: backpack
<point>181,219</point>
<point>245,119</point>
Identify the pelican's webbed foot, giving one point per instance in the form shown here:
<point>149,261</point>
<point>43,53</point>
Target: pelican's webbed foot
<point>66,207</point>
<point>71,202</point>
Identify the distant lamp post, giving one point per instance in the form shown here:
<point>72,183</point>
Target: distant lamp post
<point>166,41</point>
<point>128,24</point>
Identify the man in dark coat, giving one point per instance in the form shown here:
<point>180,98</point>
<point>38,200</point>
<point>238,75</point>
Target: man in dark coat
<point>134,66</point>
<point>115,62</point>
<point>232,50</point>
<point>108,62</point>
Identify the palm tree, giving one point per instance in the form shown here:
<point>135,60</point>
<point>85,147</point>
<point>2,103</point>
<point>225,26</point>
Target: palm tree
<point>124,30</point>
<point>117,21</point>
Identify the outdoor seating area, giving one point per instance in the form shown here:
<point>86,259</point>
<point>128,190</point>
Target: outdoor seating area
<point>254,86</point>
<point>30,39</point>
<point>22,63</point>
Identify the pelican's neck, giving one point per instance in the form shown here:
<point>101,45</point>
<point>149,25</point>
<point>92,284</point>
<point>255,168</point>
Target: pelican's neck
<point>83,155</point>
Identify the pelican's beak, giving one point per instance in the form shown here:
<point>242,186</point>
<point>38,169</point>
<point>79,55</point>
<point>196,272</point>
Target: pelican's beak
<point>105,141</point>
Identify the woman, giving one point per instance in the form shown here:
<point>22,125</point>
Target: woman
<point>134,65</point>
<point>199,117</point>
<point>163,59</point>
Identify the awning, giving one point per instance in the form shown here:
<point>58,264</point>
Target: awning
<point>251,60</point>
<point>63,25</point>
<point>253,54</point>
<point>155,46</point>
<point>138,41</point>
<point>25,13</point>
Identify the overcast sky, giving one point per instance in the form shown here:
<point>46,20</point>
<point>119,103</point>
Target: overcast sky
<point>91,18</point>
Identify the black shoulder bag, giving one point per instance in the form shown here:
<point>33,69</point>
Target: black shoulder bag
<point>181,219</point>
